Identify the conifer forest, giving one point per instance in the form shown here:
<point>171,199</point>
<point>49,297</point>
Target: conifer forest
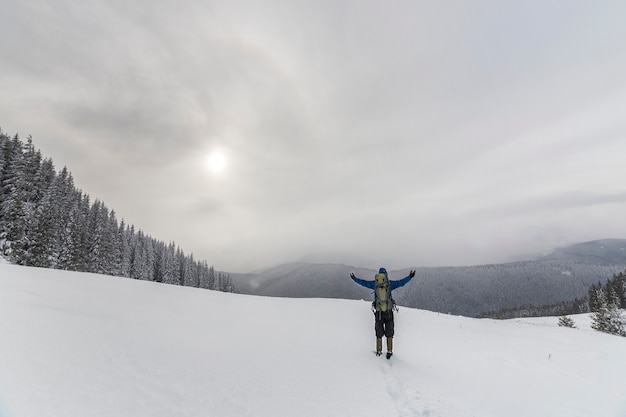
<point>45,221</point>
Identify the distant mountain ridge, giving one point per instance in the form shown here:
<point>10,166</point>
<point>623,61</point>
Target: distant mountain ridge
<point>611,251</point>
<point>562,275</point>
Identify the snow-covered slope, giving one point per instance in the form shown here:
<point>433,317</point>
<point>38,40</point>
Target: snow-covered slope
<point>76,345</point>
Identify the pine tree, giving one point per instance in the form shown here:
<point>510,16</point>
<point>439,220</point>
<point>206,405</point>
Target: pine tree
<point>190,273</point>
<point>593,292</point>
<point>149,251</point>
<point>160,263</point>
<point>45,222</point>
<point>123,260</point>
<point>608,318</point>
<point>78,255</point>
<point>182,266</point>
<point>211,277</point>
<point>68,204</point>
<point>565,321</point>
<point>616,321</point>
<point>138,268</point>
<point>616,289</point>
<point>174,270</point>
<point>95,231</point>
<point>599,318</point>
<point>13,207</point>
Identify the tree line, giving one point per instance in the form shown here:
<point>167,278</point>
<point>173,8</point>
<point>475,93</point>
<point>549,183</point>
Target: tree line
<point>45,221</point>
<point>605,301</point>
<point>575,306</point>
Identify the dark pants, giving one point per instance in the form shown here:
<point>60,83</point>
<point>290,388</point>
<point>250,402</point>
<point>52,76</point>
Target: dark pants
<point>384,324</point>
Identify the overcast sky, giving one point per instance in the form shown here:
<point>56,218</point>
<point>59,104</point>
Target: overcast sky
<point>394,133</point>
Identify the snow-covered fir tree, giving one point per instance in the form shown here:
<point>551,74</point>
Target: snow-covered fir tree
<point>608,318</point>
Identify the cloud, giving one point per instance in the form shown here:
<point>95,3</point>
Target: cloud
<point>555,203</point>
<point>451,132</point>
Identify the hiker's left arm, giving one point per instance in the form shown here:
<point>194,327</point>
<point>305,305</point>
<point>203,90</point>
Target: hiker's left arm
<point>403,281</point>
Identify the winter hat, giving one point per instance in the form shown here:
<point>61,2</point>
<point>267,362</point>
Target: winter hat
<point>382,271</point>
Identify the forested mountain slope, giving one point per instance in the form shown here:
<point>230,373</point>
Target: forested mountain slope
<point>468,290</point>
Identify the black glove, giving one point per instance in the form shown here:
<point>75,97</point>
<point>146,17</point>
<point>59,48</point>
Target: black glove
<point>352,275</point>
<point>412,274</point>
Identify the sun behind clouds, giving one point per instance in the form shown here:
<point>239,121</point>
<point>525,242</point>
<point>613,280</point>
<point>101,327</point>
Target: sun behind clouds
<point>216,162</point>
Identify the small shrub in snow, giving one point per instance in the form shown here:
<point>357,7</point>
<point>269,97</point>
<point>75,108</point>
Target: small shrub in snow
<point>565,321</point>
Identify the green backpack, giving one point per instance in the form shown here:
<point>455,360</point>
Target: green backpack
<point>382,295</point>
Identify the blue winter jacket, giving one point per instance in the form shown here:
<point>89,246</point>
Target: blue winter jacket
<point>392,284</point>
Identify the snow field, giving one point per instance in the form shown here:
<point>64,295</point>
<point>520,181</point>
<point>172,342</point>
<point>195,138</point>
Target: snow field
<point>81,345</point>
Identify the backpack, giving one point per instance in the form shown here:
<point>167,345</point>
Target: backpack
<point>382,295</point>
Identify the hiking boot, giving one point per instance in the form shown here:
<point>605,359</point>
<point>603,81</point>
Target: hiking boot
<point>378,353</point>
<point>389,355</point>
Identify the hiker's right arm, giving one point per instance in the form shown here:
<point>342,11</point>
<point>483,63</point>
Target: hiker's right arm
<point>362,282</point>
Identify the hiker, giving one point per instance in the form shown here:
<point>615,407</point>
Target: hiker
<point>383,306</point>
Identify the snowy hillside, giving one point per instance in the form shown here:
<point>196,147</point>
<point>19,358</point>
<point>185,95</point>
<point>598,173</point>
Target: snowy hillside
<point>75,345</point>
